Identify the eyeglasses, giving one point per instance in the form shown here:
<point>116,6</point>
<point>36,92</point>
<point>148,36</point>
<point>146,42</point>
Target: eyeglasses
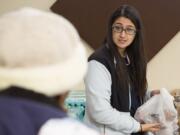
<point>120,29</point>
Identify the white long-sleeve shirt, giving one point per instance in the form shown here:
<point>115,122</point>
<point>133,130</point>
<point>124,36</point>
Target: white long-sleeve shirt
<point>99,112</point>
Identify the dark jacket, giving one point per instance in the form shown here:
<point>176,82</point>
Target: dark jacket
<point>23,114</point>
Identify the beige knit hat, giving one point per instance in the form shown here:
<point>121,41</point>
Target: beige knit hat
<point>40,51</point>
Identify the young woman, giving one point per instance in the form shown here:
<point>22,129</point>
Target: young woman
<point>116,79</point>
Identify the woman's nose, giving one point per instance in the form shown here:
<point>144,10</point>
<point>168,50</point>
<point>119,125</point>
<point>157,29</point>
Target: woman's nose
<point>123,33</point>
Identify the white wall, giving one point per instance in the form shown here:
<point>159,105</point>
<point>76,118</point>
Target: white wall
<point>164,68</point>
<point>7,5</point>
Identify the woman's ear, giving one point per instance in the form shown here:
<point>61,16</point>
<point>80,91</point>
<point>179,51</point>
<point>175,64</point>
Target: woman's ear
<point>61,100</point>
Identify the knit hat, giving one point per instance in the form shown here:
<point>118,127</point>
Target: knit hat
<point>40,51</point>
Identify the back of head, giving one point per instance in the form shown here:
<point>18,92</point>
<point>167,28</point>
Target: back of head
<point>40,51</point>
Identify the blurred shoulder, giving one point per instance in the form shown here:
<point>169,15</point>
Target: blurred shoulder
<point>66,126</point>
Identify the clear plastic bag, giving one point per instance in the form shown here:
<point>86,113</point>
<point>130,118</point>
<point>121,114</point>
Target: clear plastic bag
<point>160,108</point>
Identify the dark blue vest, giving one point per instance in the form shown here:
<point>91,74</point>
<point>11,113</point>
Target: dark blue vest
<point>21,116</point>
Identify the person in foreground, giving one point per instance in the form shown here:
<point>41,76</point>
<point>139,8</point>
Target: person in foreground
<point>41,59</point>
<point>116,78</point>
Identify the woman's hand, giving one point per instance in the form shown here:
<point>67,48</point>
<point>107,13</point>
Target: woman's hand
<point>150,127</point>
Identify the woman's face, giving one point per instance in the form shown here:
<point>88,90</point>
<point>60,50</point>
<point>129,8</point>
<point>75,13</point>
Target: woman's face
<point>123,33</point>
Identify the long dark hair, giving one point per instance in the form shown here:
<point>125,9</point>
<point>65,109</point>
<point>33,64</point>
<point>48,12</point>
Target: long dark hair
<point>135,73</point>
